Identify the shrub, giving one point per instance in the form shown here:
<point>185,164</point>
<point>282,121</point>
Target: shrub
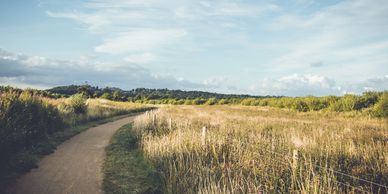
<point>222,101</point>
<point>247,102</point>
<point>107,95</point>
<point>300,105</point>
<point>346,103</point>
<point>211,101</point>
<point>78,104</point>
<point>381,107</point>
<point>198,101</point>
<point>313,103</point>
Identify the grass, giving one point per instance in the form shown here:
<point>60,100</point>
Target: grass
<point>27,159</point>
<point>125,169</point>
<point>251,150</point>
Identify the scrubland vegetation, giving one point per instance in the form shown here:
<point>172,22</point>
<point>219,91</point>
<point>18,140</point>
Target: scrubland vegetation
<point>370,103</point>
<point>373,104</point>
<point>265,150</point>
<point>31,123</point>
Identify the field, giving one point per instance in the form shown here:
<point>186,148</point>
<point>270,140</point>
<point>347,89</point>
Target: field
<point>239,149</point>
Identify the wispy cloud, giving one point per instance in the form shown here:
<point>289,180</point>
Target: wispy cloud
<point>348,35</point>
<point>140,40</point>
<point>142,58</point>
<point>130,27</point>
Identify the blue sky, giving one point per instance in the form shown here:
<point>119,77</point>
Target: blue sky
<point>295,47</point>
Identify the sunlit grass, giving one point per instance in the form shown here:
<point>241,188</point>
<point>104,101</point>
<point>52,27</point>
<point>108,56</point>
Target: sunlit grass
<point>251,149</point>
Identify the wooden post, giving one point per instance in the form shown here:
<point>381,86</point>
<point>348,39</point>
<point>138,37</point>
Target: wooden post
<point>203,137</point>
<point>170,123</point>
<point>295,157</point>
<point>153,119</point>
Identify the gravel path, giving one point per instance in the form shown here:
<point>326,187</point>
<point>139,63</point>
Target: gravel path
<point>75,167</point>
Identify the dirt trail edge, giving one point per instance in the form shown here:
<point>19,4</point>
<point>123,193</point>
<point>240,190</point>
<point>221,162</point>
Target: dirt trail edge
<point>75,166</point>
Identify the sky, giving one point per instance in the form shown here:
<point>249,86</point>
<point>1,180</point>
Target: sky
<point>273,47</point>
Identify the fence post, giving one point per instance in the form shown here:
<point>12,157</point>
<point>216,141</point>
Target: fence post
<point>203,137</point>
<point>153,119</point>
<point>170,123</point>
<point>295,157</point>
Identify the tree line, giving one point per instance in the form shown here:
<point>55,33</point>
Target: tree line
<point>138,94</point>
<point>374,103</point>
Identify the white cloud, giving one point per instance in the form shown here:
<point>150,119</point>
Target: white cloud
<point>239,9</point>
<point>215,82</point>
<point>318,85</point>
<point>25,71</point>
<point>373,84</point>
<point>140,40</point>
<point>35,61</point>
<point>93,21</point>
<point>296,85</point>
<point>142,58</point>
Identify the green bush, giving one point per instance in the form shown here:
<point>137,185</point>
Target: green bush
<point>211,101</point>
<point>300,105</point>
<point>78,104</point>
<point>106,95</point>
<point>346,103</point>
<point>381,107</point>
<point>314,103</point>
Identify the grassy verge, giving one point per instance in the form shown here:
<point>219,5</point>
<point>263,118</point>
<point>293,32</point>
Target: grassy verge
<point>125,169</point>
<point>27,159</point>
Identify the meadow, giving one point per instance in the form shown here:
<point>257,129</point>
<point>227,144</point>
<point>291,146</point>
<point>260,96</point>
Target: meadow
<point>245,149</point>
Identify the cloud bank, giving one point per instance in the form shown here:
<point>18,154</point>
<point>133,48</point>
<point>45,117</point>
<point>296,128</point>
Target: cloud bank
<point>37,71</point>
<point>41,72</point>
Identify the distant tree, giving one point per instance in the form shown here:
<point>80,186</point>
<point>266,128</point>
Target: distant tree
<point>117,95</point>
<point>106,95</point>
<point>85,90</point>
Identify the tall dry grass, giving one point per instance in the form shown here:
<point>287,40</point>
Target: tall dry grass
<point>264,150</point>
<point>95,109</point>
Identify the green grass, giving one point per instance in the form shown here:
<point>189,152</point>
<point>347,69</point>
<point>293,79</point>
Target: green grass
<point>27,159</point>
<point>125,169</point>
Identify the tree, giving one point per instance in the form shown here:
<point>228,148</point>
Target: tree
<point>85,90</point>
<point>117,95</point>
<point>106,95</point>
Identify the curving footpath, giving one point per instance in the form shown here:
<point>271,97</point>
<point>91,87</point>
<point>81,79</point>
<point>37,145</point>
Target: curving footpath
<point>75,167</point>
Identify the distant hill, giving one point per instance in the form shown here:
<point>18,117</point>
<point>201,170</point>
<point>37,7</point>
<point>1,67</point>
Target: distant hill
<point>142,93</point>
